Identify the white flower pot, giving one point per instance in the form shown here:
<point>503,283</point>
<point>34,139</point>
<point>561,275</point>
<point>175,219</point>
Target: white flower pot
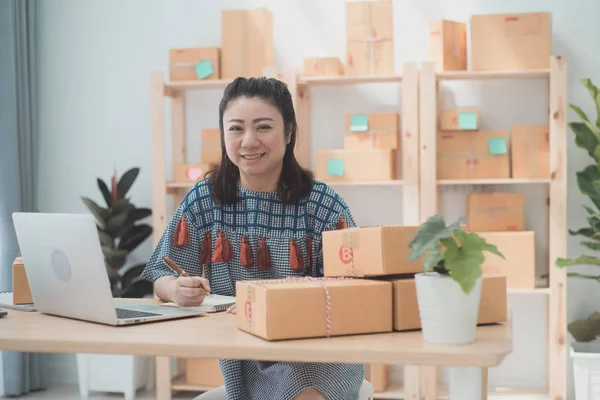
<point>448,315</point>
<point>586,370</point>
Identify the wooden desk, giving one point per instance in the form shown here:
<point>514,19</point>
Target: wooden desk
<point>216,336</point>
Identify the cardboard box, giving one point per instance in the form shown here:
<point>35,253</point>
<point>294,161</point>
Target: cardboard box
<point>294,309</point>
<point>530,148</point>
<point>323,66</point>
<point>369,251</point>
<point>372,131</point>
<point>211,146</point>
<point>473,155</point>
<point>203,372</point>
<point>21,291</point>
<point>191,172</point>
<point>356,165</point>
<point>448,45</point>
<point>511,41</point>
<point>193,64</point>
<point>462,119</point>
<point>495,212</point>
<point>492,306</point>
<point>518,264</point>
<point>369,38</point>
<point>247,42</point>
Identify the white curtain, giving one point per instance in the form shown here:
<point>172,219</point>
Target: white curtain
<point>21,372</point>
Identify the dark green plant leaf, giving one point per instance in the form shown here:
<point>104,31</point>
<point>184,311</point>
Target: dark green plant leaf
<point>591,245</point>
<point>100,213</point>
<point>595,94</point>
<point>127,181</point>
<point>105,238</point>
<point>581,260</point>
<point>584,330</point>
<point>122,206</point>
<point>113,274</point>
<point>587,232</point>
<point>116,257</point>
<point>585,181</point>
<point>135,237</point>
<point>115,224</point>
<point>591,212</point>
<point>584,118</point>
<point>105,192</point>
<point>428,235</point>
<point>139,213</point>
<point>584,137</point>
<point>133,285</point>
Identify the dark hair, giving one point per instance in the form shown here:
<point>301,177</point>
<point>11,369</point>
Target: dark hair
<point>294,182</point>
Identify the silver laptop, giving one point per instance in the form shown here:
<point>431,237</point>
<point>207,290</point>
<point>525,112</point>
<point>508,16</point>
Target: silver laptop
<point>67,274</point>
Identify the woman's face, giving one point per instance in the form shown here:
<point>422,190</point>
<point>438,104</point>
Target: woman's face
<point>255,139</point>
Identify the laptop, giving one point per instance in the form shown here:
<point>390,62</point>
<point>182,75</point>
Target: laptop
<point>67,273</point>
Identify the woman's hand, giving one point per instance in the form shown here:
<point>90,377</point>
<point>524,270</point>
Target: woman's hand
<point>189,291</point>
<point>231,310</point>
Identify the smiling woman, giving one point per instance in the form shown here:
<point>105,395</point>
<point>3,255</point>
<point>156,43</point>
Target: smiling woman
<point>259,215</point>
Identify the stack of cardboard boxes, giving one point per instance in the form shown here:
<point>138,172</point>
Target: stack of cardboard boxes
<point>499,42</point>
<point>210,139</point>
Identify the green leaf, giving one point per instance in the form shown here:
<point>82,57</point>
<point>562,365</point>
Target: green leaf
<point>432,258</point>
<point>584,118</point>
<point>101,214</point>
<point>105,238</point>
<point>492,249</point>
<point>591,245</point>
<point>122,205</point>
<point>591,212</point>
<point>139,213</point>
<point>595,94</point>
<point>133,285</point>
<point>585,181</point>
<point>126,182</point>
<point>105,192</point>
<point>428,235</point>
<point>135,237</point>
<point>581,260</point>
<point>115,224</point>
<point>464,262</point>
<point>584,330</point>
<point>584,137</point>
<point>115,257</point>
<point>588,232</point>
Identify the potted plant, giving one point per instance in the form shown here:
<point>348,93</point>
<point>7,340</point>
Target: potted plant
<point>120,232</point>
<point>449,289</point>
<point>585,351</point>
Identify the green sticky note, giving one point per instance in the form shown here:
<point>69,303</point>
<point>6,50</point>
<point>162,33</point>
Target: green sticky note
<point>359,123</point>
<point>497,145</point>
<point>204,69</point>
<point>467,121</point>
<point>335,167</point>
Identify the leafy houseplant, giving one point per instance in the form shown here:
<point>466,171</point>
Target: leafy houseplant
<point>120,233</point>
<point>587,137</point>
<point>449,289</point>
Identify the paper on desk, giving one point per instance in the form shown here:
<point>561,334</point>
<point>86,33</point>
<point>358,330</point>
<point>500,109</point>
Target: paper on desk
<point>211,304</point>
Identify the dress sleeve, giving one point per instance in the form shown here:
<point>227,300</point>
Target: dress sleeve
<point>181,242</point>
<point>338,220</point>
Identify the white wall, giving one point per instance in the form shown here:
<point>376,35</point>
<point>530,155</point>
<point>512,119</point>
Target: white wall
<point>95,61</point>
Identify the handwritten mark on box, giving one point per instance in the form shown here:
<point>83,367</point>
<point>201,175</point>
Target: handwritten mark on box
<point>467,121</point>
<point>359,123</point>
<point>497,145</point>
<point>335,167</point>
<point>204,69</point>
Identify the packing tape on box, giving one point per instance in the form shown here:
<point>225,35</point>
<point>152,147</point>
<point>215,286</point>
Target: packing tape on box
<point>370,41</point>
<point>351,238</point>
<point>322,281</point>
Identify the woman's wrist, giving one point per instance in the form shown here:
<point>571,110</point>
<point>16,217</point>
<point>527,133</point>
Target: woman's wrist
<point>165,287</point>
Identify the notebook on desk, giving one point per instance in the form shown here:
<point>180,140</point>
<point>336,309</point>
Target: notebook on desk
<point>211,304</point>
<point>6,301</point>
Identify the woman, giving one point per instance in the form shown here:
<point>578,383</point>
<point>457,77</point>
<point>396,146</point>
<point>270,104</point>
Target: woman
<point>259,215</point>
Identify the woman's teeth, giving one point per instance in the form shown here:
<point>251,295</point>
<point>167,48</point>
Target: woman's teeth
<point>253,156</point>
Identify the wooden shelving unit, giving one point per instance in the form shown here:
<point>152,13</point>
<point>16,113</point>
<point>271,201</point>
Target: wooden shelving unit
<point>419,189</point>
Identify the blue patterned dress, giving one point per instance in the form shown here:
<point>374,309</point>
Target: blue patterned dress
<point>259,238</point>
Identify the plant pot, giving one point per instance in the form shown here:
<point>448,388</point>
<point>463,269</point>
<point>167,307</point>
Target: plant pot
<point>586,369</point>
<point>448,315</point>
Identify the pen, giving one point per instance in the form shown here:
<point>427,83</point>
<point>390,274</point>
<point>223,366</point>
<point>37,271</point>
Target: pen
<point>176,268</point>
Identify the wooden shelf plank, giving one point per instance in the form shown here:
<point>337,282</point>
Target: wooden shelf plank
<point>483,75</point>
<point>393,182</point>
<point>178,383</point>
<point>394,391</point>
<point>346,80</point>
<point>197,85</point>
<point>508,181</point>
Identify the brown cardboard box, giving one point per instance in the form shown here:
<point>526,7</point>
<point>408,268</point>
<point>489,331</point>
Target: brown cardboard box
<point>518,264</point>
<point>247,38</point>
<point>203,372</point>
<point>183,63</point>
<point>356,165</point>
<point>530,147</point>
<point>448,45</point>
<point>511,41</point>
<point>369,38</point>
<point>191,172</point>
<point>369,251</point>
<point>211,146</point>
<point>381,132</point>
<point>270,309</point>
<point>492,307</point>
<point>495,212</point>
<point>21,291</point>
<point>461,119</point>
<point>470,155</point>
<point>323,66</point>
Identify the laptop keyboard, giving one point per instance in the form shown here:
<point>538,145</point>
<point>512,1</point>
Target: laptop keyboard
<point>123,313</point>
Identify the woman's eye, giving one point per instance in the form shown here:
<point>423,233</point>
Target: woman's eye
<point>235,128</point>
<point>263,127</point>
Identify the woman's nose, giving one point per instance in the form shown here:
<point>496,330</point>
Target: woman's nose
<point>250,139</point>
